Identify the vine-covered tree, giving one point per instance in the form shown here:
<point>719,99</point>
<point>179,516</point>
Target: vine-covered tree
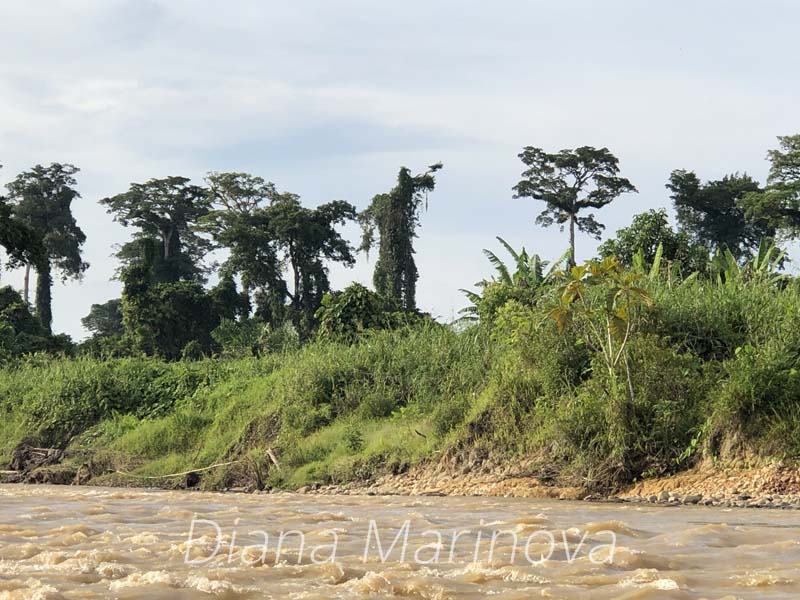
<point>569,182</point>
<point>395,217</point>
<point>42,199</point>
<point>166,318</point>
<point>710,213</point>
<point>778,205</point>
<point>226,300</point>
<point>166,210</point>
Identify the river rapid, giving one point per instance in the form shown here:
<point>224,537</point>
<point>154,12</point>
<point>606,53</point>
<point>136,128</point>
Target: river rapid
<point>83,542</point>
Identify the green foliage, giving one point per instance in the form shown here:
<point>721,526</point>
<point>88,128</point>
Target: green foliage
<point>241,222</point>
<point>345,315</point>
<point>20,332</point>
<point>395,217</point>
<point>711,215</point>
<point>307,238</point>
<point>42,199</point>
<point>105,319</point>
<point>238,338</point>
<point>525,285</point>
<point>778,204</point>
<point>280,339</point>
<point>623,390</point>
<point>21,243</point>
<point>160,320</point>
<point>643,237</point>
<point>569,182</point>
<point>764,265</point>
<point>353,438</point>
<point>165,211</point>
<point>228,303</point>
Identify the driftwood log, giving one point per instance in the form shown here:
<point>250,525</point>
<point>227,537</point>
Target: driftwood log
<point>25,457</point>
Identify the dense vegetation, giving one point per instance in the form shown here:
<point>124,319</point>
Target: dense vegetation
<point>670,347</point>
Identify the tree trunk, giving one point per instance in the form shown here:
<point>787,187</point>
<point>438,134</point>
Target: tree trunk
<point>44,306</point>
<point>572,262</point>
<point>296,276</point>
<point>247,305</point>
<point>26,284</point>
<point>167,238</point>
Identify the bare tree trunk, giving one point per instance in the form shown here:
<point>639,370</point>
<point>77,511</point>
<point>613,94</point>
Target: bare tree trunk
<point>572,241</point>
<point>26,284</point>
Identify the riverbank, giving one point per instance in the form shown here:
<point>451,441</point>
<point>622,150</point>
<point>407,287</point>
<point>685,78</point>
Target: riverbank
<point>772,486</point>
<point>514,406</point>
<point>775,485</point>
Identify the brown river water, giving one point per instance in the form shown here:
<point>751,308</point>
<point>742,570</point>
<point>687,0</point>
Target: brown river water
<point>83,542</point>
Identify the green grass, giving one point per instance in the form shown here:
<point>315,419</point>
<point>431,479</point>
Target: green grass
<point>709,365</point>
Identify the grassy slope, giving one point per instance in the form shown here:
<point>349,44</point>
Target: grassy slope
<point>715,370</point>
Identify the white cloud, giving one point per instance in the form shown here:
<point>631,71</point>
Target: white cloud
<point>329,99</point>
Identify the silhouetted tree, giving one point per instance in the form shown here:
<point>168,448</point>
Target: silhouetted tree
<point>778,205</point>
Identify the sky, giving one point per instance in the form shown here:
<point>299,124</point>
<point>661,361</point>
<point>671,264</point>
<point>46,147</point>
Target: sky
<point>329,99</point>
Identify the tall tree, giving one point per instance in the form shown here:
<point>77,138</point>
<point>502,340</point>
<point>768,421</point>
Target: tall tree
<point>711,215</point>
<point>779,203</point>
<point>569,182</point>
<point>23,246</point>
<point>240,223</point>
<point>305,239</point>
<point>42,199</point>
<point>395,216</point>
<point>166,210</point>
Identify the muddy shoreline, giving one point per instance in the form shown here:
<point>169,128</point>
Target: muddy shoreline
<point>774,486</point>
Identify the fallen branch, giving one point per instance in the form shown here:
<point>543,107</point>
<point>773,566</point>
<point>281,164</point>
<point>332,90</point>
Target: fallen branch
<point>232,462</point>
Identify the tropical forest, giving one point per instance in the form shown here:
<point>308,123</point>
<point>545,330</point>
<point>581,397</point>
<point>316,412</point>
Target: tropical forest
<point>677,344</point>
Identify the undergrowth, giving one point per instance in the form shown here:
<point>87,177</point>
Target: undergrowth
<point>708,364</point>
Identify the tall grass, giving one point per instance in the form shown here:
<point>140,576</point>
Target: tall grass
<point>714,370</point>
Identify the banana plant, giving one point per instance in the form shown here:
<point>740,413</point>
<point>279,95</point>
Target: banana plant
<point>530,273</point>
<point>765,265</point>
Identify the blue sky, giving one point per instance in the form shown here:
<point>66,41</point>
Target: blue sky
<point>329,99</point>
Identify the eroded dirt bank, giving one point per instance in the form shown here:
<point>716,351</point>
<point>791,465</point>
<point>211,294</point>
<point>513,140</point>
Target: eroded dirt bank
<point>771,485</point>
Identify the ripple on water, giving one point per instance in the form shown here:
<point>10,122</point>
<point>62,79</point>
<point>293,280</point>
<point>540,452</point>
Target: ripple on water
<point>28,589</point>
<point>82,549</point>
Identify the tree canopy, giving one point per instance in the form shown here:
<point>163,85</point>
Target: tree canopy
<point>166,210</point>
<point>710,213</point>
<point>778,205</point>
<point>568,182</point>
<point>42,200</point>
<point>645,234</point>
<point>305,239</point>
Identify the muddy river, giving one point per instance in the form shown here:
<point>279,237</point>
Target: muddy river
<point>73,542</point>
